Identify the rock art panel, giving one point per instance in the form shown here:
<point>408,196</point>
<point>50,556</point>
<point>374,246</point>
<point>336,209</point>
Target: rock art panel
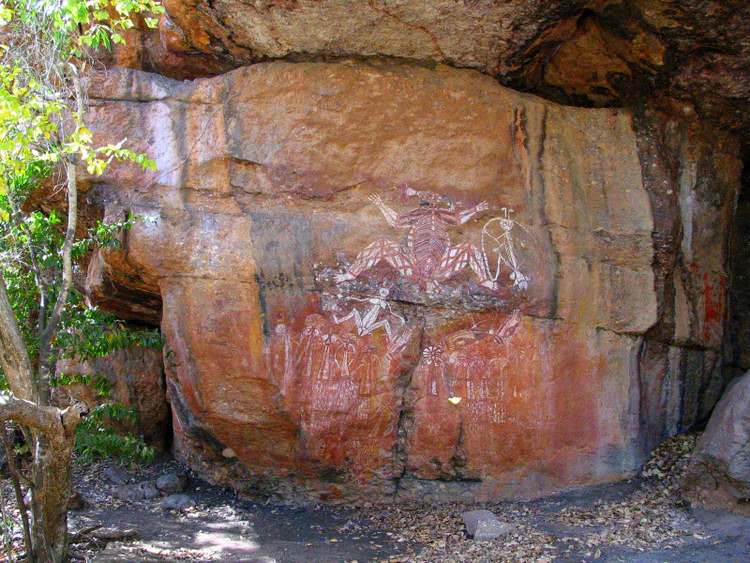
<point>381,281</point>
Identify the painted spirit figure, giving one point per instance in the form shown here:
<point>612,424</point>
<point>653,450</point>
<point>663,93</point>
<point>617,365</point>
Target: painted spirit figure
<point>497,247</point>
<point>369,321</point>
<point>428,256</point>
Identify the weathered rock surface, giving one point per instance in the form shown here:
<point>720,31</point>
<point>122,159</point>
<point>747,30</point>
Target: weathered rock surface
<point>581,52</point>
<point>177,502</point>
<point>719,472</point>
<point>135,378</point>
<point>482,355</point>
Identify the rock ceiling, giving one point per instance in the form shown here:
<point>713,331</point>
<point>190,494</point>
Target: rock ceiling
<point>587,53</point>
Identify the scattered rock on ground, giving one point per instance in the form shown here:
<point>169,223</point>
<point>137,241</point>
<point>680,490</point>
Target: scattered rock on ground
<point>115,475</point>
<point>77,501</point>
<point>173,482</point>
<point>648,517</point>
<point>177,502</point>
<point>484,525</point>
<point>112,534</point>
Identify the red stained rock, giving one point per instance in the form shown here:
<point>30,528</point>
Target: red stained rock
<point>322,342</point>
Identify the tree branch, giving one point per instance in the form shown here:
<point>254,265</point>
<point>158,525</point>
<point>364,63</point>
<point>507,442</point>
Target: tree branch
<point>14,358</point>
<point>67,261</point>
<point>44,419</point>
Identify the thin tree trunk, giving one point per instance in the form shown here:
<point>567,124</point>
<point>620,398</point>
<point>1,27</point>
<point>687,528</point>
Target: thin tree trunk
<point>66,283</point>
<point>52,434</point>
<point>51,478</point>
<point>16,478</point>
<point>14,360</point>
<point>45,344</point>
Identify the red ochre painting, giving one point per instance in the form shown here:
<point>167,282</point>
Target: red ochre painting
<point>367,358</point>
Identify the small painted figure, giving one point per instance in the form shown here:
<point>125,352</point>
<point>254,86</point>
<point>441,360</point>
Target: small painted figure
<point>368,322</point>
<point>498,250</point>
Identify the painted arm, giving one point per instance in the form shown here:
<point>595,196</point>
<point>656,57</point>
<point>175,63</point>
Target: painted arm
<point>467,214</point>
<point>338,321</point>
<point>402,319</point>
<point>390,215</point>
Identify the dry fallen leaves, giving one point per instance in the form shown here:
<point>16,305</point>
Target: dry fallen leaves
<point>649,517</point>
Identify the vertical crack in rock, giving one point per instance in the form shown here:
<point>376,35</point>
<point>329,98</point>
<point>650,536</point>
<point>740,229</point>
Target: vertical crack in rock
<point>537,185</point>
<point>405,414</point>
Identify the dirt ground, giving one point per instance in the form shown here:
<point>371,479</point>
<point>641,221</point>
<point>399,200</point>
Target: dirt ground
<point>643,520</point>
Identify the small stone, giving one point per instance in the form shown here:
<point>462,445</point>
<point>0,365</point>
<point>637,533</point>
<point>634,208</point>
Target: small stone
<point>177,502</point>
<point>484,525</point>
<point>228,453</point>
<point>77,501</point>
<point>172,482</point>
<point>115,475</point>
<point>138,491</point>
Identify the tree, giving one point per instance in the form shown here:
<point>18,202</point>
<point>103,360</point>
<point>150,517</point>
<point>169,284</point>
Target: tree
<point>48,47</point>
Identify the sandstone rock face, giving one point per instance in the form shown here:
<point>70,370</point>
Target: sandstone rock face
<point>738,331</point>
<point>719,472</point>
<point>386,281</point>
<point>136,379</point>
<point>584,52</point>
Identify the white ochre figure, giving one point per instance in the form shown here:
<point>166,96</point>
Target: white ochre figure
<point>428,256</point>
<point>497,240</point>
<point>368,322</point>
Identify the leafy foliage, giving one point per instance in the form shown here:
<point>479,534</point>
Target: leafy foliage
<point>46,51</point>
<point>99,383</point>
<point>96,439</point>
<point>35,128</point>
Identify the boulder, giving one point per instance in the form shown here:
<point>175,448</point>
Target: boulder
<point>137,491</point>
<point>719,472</point>
<point>136,379</point>
<point>115,475</point>
<point>173,482</point>
<point>382,280</point>
<point>484,525</point>
<point>177,502</point>
<point>111,533</point>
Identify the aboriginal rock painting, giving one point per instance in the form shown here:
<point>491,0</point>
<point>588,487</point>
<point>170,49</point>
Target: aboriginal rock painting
<point>343,358</point>
<point>427,258</point>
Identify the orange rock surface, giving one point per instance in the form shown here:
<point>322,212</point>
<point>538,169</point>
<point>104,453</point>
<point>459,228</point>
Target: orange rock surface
<point>324,342</point>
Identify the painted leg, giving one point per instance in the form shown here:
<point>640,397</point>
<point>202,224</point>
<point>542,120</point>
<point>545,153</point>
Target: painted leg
<point>373,254</point>
<point>457,258</point>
